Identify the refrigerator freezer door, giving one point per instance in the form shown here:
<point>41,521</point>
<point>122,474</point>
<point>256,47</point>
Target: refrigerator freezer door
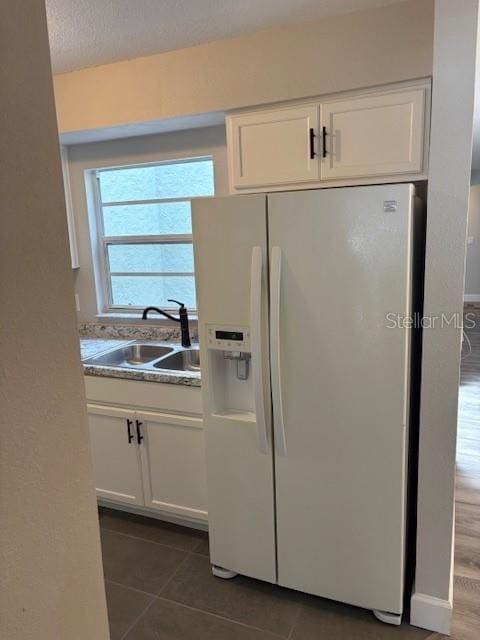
<point>340,487</point>
<point>230,243</point>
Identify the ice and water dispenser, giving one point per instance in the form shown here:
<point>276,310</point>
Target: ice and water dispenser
<point>229,360</point>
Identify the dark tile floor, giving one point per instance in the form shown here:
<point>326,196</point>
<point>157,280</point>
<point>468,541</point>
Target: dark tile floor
<point>159,587</point>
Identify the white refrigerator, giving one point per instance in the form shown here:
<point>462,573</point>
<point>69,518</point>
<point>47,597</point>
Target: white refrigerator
<point>304,299</point>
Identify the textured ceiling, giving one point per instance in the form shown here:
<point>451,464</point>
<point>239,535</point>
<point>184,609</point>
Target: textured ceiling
<point>85,33</point>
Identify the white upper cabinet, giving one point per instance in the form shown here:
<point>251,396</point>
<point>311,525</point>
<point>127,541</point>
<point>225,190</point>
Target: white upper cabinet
<point>273,147</point>
<point>374,135</point>
<point>377,135</point>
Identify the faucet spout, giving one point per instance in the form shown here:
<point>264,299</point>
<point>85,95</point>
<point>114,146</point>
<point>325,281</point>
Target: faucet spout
<point>160,311</point>
<point>182,319</point>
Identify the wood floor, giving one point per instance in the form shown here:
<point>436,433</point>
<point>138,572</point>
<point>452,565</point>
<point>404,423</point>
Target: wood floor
<point>466,595</point>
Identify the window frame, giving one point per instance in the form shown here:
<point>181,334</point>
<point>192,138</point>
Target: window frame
<point>103,241</point>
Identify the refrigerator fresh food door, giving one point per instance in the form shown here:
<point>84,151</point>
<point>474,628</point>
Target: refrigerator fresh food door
<point>230,244</point>
<point>340,264</point>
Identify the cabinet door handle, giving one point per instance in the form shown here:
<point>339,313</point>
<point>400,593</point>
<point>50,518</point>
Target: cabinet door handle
<point>324,142</point>
<point>129,432</point>
<point>139,431</point>
<point>312,144</point>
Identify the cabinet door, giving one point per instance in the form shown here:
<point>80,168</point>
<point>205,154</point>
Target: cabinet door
<point>374,135</point>
<point>273,147</point>
<point>173,464</point>
<point>116,457</point>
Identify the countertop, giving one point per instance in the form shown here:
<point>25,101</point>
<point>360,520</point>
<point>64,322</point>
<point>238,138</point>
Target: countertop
<point>93,346</point>
<point>90,347</point>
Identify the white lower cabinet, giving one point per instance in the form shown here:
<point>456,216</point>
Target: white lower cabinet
<point>173,464</point>
<point>149,459</point>
<point>116,455</point>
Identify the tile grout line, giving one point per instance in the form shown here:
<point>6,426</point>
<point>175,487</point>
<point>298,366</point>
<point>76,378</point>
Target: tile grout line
<point>161,544</point>
<point>160,597</point>
<point>154,596</point>
<point>297,618</point>
<point>137,619</point>
<point>194,550</point>
<point>120,584</point>
<point>180,565</point>
<point>220,617</point>
<point>216,615</point>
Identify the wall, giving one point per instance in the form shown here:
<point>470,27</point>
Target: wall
<point>343,52</point>
<point>455,47</point>
<point>472,276</point>
<point>154,148</point>
<point>51,583</point>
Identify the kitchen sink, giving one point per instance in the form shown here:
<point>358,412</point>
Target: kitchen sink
<point>132,355</point>
<point>149,357</point>
<point>184,360</point>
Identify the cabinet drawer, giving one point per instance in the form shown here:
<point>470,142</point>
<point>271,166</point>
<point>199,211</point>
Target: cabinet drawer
<point>176,398</point>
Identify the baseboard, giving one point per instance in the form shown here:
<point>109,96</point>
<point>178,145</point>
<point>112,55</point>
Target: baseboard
<point>157,515</point>
<point>471,297</point>
<point>430,613</point>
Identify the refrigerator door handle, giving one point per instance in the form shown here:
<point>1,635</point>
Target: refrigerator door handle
<point>275,281</point>
<point>256,348</point>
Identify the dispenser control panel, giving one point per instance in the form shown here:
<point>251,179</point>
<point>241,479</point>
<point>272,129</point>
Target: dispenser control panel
<point>228,338</point>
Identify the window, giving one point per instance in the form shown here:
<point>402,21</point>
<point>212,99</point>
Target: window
<point>145,229</point>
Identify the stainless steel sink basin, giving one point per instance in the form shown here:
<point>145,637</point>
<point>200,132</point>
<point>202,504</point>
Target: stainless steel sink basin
<point>132,355</point>
<point>149,357</point>
<point>182,360</point>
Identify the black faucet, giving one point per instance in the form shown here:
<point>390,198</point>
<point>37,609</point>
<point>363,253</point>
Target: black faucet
<point>182,319</point>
